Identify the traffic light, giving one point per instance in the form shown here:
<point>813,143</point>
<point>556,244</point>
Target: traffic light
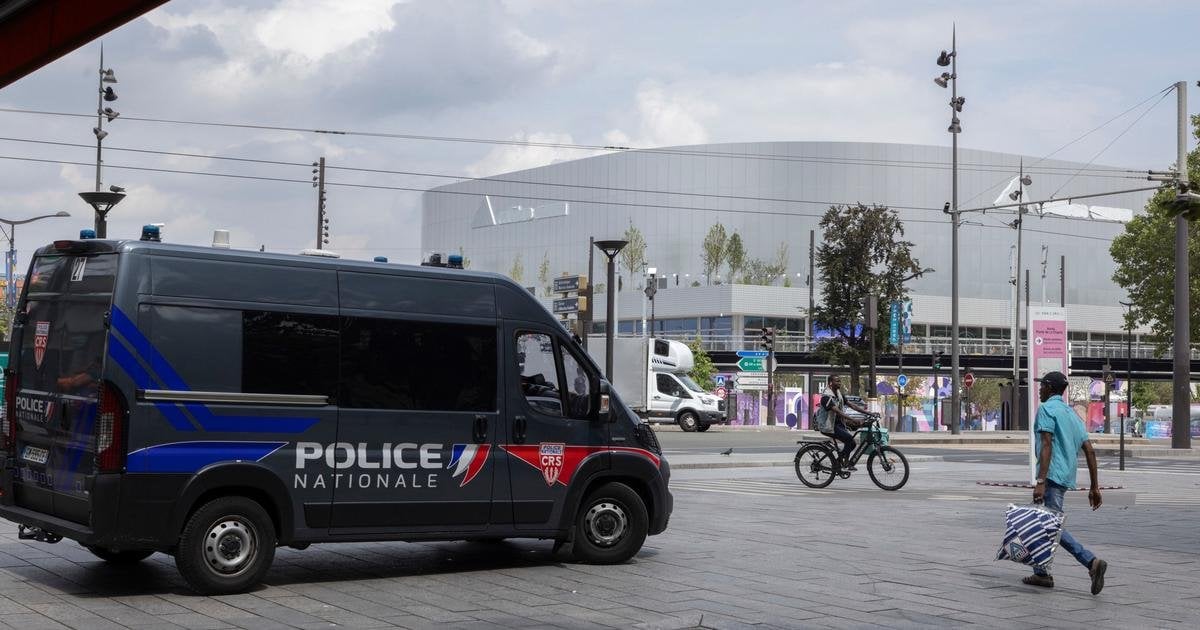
<point>937,360</point>
<point>768,339</point>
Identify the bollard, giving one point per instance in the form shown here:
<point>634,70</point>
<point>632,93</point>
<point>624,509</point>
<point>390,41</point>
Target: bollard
<point>1122,441</point>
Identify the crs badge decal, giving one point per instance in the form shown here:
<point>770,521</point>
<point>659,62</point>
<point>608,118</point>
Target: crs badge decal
<point>41,339</point>
<point>550,460</point>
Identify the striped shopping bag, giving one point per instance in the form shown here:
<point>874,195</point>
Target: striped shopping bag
<point>1031,534</point>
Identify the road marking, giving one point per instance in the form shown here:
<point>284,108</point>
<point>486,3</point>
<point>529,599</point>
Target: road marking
<point>1151,498</point>
<point>753,487</point>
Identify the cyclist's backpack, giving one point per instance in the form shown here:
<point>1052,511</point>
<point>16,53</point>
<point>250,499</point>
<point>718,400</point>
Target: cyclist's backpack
<point>823,419</point>
<point>1031,535</point>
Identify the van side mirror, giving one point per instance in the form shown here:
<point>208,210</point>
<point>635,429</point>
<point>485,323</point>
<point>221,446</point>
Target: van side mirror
<point>604,413</point>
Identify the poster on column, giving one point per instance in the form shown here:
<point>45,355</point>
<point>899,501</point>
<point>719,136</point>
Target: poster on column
<point>1047,352</point>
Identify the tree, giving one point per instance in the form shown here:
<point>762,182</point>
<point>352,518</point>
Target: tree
<point>761,272</point>
<point>712,251</point>
<point>633,257</point>
<point>466,261</point>
<point>517,272</point>
<point>1145,257</point>
<point>863,253</point>
<point>735,255</point>
<point>544,273</point>
<point>703,369</point>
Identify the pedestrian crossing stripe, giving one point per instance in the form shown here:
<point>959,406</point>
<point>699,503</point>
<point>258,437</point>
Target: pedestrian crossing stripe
<point>1151,498</point>
<point>753,487</point>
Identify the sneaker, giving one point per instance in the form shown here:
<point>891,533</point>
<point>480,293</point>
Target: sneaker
<point>1097,572</point>
<point>1039,580</point>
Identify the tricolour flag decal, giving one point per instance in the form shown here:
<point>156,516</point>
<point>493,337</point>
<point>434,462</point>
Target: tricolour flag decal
<point>468,460</point>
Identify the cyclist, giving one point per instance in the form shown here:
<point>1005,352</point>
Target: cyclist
<point>834,402</point>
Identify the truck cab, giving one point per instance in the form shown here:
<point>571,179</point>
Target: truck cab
<point>654,376</point>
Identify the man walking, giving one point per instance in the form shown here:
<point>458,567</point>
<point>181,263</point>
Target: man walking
<point>1060,435</point>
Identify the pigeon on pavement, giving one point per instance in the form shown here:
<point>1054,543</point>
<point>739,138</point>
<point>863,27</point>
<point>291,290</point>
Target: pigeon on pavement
<point>727,451</point>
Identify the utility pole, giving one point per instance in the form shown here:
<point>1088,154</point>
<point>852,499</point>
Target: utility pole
<point>591,292</point>
<point>1045,252</point>
<point>1181,400</point>
<point>322,219</point>
<point>1016,277</point>
<point>955,128</point>
<point>1062,281</point>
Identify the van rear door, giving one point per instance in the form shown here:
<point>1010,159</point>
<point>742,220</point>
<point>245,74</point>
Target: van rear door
<point>61,333</point>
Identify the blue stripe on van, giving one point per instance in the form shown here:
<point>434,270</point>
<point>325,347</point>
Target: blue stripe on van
<point>189,457</point>
<point>165,374</point>
<point>143,380</point>
<point>157,362</point>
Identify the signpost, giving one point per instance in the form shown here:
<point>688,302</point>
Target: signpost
<point>570,284</point>
<point>968,380</point>
<point>751,364</point>
<point>902,380</point>
<point>563,306</point>
<point>750,381</point>
<point>567,304</point>
<point>1047,352</point>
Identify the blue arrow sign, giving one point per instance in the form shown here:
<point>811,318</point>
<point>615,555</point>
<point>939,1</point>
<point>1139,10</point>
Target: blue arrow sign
<point>762,354</point>
<point>902,380</point>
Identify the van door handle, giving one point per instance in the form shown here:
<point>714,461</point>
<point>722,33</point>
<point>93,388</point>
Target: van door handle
<point>480,430</point>
<point>519,429</point>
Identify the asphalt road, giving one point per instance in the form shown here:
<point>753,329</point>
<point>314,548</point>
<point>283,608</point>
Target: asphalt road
<point>745,548</point>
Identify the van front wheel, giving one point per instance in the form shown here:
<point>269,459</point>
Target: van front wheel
<point>129,556</point>
<point>611,525</point>
<point>688,421</point>
<point>226,547</point>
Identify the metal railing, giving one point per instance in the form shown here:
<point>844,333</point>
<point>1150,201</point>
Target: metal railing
<point>930,345</point>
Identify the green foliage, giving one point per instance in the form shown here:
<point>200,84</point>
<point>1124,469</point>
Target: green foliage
<point>863,252</point>
<point>735,255</point>
<point>633,257</point>
<point>1145,257</point>
<point>544,272</point>
<point>713,251</point>
<point>517,271</point>
<point>1146,393</point>
<point>985,395</point>
<point>703,369</point>
<point>762,272</point>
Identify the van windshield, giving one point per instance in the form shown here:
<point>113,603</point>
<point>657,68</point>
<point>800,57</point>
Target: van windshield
<point>690,384</point>
<point>62,321</point>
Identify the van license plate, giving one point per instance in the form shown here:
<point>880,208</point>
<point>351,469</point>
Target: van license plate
<point>34,454</point>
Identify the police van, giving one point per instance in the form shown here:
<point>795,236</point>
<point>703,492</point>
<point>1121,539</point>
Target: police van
<point>214,404</point>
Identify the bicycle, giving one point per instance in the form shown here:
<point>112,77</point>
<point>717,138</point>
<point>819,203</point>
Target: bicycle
<point>817,460</point>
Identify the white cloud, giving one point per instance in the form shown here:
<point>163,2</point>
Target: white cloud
<point>508,158</point>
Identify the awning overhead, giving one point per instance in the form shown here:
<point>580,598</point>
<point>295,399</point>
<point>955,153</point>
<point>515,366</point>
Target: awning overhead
<point>35,32</point>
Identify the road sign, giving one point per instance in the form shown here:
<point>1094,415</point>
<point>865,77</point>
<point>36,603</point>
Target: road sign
<point>752,364</point>
<point>757,354</point>
<point>968,380</point>
<point>750,378</point>
<point>570,305</point>
<point>566,284</point>
<point>902,380</point>
<point>720,380</point>
<point>721,393</point>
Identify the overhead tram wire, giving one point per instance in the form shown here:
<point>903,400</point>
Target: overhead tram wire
<point>463,178</point>
<point>1111,142</point>
<point>476,194</point>
<point>1051,154</point>
<point>556,145</point>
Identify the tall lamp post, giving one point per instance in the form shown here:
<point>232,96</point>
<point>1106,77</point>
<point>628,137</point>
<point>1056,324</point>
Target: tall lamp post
<point>956,104</point>
<point>101,201</point>
<point>611,249</point>
<point>10,290</point>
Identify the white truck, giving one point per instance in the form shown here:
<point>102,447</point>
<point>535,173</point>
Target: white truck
<point>651,376</point>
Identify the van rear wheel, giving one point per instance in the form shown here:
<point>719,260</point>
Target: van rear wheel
<point>128,556</point>
<point>611,525</point>
<point>688,421</point>
<point>702,427</point>
<point>226,547</point>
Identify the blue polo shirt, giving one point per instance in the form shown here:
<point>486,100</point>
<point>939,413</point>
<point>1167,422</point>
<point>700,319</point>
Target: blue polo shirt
<point>1067,435</point>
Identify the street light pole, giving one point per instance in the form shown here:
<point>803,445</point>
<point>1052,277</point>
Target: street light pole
<point>1128,356</point>
<point>650,290</point>
<point>955,128</point>
<point>10,290</point>
<point>1181,436</point>
<point>610,248</point>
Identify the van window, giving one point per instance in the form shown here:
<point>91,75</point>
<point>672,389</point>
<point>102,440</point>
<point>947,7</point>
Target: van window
<point>539,373</point>
<point>669,386</point>
<point>428,366</point>
<point>66,300</point>
<point>578,390</point>
<point>289,353</point>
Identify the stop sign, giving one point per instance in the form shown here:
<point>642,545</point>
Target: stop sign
<point>968,380</point>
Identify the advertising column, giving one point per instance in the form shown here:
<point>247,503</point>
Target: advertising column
<point>1047,352</point>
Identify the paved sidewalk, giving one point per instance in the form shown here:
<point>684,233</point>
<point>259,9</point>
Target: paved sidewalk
<point>747,547</point>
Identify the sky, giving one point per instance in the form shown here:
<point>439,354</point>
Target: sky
<point>635,73</point>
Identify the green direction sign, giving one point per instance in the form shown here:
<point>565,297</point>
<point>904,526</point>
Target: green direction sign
<point>751,364</point>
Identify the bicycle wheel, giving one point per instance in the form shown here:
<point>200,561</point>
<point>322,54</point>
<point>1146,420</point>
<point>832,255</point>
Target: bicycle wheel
<point>814,465</point>
<point>888,468</point>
